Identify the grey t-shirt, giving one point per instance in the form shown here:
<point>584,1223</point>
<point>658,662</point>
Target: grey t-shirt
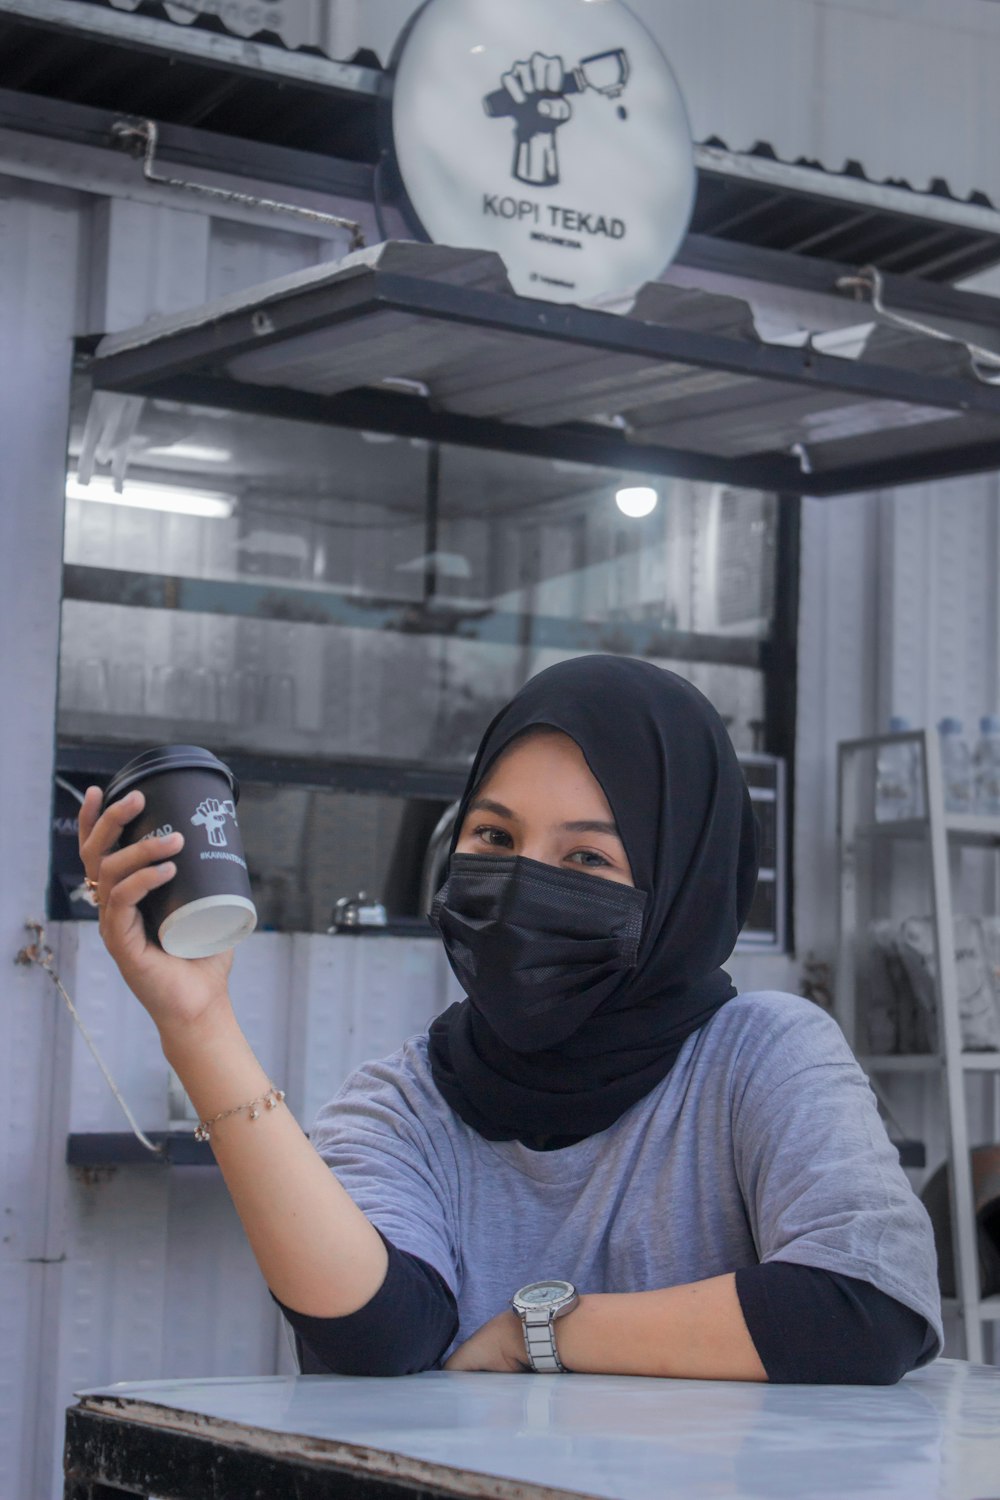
<point>763,1143</point>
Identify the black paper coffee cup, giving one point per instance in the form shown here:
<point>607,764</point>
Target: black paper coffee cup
<point>207,906</point>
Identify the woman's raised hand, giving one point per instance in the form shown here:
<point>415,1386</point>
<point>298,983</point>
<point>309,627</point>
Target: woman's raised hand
<point>176,991</point>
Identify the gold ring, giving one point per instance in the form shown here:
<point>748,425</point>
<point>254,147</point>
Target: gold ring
<point>91,890</point>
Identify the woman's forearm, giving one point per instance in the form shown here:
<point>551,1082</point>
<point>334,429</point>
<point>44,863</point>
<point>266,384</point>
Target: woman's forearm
<point>317,1251</point>
<point>694,1332</point>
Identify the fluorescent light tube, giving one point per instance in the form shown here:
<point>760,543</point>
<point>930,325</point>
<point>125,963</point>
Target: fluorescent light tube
<point>152,497</point>
<point>196,452</point>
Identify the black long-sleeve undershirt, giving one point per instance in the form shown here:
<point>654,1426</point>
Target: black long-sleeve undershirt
<point>809,1326</point>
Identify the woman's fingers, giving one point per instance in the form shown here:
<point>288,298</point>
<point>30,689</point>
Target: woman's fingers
<point>90,811</point>
<point>100,831</point>
<point>126,876</point>
<point>126,894</point>
<point>125,862</point>
<point>122,926</point>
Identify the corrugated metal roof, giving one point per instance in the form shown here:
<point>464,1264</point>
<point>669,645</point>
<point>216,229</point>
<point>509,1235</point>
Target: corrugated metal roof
<point>842,214</point>
<point>684,382</point>
<point>140,63</point>
<point>259,89</point>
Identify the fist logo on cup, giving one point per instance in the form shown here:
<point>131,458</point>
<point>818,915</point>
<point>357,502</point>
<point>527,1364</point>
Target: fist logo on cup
<point>211,814</point>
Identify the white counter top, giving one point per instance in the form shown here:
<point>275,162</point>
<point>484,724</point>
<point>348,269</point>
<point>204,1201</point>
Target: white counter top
<point>935,1436</point>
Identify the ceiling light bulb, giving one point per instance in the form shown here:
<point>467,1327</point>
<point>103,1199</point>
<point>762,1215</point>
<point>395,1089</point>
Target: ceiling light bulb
<point>637,500</point>
<point>152,497</point>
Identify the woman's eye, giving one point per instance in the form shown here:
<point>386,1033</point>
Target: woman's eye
<point>498,838</point>
<point>589,857</point>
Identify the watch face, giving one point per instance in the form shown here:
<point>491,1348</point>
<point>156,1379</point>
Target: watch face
<point>542,1292</point>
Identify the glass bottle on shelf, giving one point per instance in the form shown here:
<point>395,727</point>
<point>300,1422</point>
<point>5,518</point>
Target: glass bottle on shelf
<point>956,767</point>
<point>986,768</point>
<point>896,772</point>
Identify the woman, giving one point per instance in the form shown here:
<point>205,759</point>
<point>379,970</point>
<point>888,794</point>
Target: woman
<point>699,1180</point>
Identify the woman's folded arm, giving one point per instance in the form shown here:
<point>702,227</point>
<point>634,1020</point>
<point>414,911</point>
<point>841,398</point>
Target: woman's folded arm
<point>817,1327</point>
<point>404,1328</point>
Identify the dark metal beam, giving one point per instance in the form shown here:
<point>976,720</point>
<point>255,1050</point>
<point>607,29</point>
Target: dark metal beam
<point>781,679</point>
<point>413,417</point>
<point>915,468</point>
<point>201,150</point>
<point>601,447</point>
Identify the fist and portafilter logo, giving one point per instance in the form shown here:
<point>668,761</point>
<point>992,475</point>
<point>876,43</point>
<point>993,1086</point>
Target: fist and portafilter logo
<point>535,95</point>
<point>211,814</point>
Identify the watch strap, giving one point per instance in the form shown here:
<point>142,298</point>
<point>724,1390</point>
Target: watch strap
<point>540,1342</point>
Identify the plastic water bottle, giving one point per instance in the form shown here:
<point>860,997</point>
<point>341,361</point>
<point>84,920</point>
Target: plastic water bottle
<point>896,791</point>
<point>986,768</point>
<point>956,767</point>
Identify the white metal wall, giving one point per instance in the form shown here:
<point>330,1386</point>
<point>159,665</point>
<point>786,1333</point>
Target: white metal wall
<point>39,247</point>
<point>151,1274</point>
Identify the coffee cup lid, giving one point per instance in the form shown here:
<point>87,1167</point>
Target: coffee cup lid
<point>167,758</point>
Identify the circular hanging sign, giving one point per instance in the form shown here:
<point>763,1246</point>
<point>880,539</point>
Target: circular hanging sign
<point>551,131</point>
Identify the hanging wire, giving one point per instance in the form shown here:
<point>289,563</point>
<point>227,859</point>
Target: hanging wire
<point>985,362</point>
<point>40,954</point>
<point>142,134</point>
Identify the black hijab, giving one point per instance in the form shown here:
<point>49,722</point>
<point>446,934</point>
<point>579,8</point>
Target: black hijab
<point>667,767</point>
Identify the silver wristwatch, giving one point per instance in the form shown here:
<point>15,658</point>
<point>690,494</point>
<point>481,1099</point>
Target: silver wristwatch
<point>538,1305</point>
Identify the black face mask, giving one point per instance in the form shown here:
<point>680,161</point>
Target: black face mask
<point>536,949</point>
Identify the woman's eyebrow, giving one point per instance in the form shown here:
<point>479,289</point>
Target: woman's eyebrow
<point>486,804</point>
<point>578,825</point>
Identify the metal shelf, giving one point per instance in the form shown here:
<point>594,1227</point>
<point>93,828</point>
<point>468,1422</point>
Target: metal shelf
<point>928,1062</point>
<point>472,620</point>
<point>989,1307</point>
<point>942,834</point>
<point>902,1063</point>
<point>961,828</point>
<point>120,1148</point>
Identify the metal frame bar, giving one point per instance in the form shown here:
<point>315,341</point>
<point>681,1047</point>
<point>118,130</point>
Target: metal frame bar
<point>963,1208</point>
<point>412,416</point>
<point>781,684</point>
<point>203,150</point>
<point>916,468</point>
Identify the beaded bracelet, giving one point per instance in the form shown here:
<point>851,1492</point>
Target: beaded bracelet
<point>270,1100</point>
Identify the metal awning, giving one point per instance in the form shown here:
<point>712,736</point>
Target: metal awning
<point>807,393</point>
